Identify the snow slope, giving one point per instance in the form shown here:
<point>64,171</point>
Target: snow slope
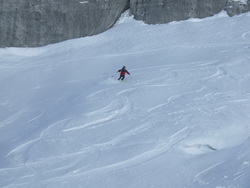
<point>181,120</point>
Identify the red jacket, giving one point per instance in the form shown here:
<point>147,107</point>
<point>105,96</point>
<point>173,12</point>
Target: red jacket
<point>123,72</point>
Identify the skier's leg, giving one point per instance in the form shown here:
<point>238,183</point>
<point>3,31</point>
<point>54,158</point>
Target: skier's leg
<point>123,77</point>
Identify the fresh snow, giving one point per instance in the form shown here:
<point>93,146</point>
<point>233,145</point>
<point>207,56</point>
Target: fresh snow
<point>181,121</point>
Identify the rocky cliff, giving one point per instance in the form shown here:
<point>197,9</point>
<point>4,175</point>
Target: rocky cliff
<point>164,11</point>
<point>42,22</point>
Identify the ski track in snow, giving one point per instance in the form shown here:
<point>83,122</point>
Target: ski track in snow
<point>132,162</point>
<point>197,177</point>
<point>113,114</point>
<point>114,110</point>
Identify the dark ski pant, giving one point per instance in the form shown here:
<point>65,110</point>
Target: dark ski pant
<point>121,77</point>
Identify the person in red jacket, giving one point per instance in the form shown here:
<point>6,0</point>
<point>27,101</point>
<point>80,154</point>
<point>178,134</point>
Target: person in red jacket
<point>123,71</point>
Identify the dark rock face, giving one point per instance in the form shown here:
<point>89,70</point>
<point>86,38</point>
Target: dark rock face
<point>164,11</point>
<point>235,8</point>
<point>41,22</point>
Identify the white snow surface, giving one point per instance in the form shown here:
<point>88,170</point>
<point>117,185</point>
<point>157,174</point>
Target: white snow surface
<point>181,121</point>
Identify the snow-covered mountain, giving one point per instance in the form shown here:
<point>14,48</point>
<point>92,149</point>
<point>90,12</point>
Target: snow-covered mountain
<point>182,119</point>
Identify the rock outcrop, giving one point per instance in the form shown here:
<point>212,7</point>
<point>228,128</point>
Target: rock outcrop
<point>164,11</point>
<point>237,7</point>
<point>41,22</point>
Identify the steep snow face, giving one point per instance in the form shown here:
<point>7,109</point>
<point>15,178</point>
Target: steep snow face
<point>182,119</point>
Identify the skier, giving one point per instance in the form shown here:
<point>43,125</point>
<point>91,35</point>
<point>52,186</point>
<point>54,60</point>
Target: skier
<point>123,71</point>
